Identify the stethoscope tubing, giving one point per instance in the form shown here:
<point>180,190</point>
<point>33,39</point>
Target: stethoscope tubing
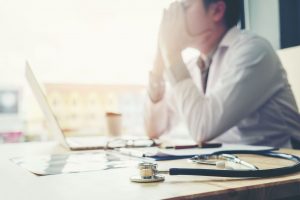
<point>264,173</point>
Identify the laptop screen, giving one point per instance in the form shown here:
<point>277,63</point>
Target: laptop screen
<point>42,100</point>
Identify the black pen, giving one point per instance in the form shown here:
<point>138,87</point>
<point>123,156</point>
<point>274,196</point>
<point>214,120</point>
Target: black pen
<point>203,145</point>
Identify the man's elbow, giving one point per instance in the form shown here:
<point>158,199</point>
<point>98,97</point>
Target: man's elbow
<point>202,135</point>
<point>152,132</point>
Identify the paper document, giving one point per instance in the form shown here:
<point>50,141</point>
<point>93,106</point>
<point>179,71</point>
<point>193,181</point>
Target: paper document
<point>172,154</point>
<point>225,147</point>
<point>72,163</point>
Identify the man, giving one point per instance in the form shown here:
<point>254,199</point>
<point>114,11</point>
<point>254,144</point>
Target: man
<point>236,91</point>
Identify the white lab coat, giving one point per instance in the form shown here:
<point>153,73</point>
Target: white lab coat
<point>248,99</point>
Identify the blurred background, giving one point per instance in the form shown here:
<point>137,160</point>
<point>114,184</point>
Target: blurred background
<point>93,56</point>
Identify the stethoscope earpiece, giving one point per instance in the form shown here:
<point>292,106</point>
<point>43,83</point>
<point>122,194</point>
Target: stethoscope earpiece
<point>220,164</point>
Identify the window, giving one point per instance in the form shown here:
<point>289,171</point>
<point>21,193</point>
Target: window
<point>109,42</point>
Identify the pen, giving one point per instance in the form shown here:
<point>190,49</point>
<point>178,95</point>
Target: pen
<point>131,152</point>
<point>203,145</point>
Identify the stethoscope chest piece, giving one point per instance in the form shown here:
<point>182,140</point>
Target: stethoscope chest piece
<point>139,179</point>
<point>148,174</point>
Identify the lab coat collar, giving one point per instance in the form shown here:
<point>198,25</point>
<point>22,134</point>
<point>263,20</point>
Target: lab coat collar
<point>227,40</point>
<point>229,37</point>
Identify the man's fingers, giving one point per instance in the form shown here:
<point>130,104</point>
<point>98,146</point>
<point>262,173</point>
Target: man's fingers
<point>163,25</point>
<point>170,18</point>
<point>179,15</point>
<point>173,12</point>
<point>181,11</point>
<point>164,16</point>
<point>172,6</point>
<point>181,19</point>
<point>163,20</point>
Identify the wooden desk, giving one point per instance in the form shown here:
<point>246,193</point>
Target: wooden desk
<point>19,184</point>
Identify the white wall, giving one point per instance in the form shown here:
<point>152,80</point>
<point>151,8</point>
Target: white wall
<point>262,17</point>
<point>79,40</point>
<point>290,59</point>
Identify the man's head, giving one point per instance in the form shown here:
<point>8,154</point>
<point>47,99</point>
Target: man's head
<point>206,14</point>
<point>232,13</point>
<point>208,20</point>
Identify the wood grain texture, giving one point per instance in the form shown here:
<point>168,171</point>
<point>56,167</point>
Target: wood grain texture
<point>17,183</point>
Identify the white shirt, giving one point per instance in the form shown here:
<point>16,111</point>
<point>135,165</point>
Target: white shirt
<point>248,99</point>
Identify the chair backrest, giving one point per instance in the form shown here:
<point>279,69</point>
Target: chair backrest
<point>290,59</point>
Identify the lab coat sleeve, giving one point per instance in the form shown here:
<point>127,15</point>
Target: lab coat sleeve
<point>249,81</point>
<point>160,117</point>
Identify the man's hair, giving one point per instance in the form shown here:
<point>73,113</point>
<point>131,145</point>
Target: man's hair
<point>232,13</point>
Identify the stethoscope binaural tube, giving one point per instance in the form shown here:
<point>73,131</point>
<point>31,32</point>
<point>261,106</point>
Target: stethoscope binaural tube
<point>153,175</point>
<point>264,173</point>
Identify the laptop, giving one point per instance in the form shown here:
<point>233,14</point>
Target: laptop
<point>72,143</point>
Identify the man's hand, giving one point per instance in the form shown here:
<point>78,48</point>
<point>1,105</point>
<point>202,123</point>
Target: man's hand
<point>159,65</point>
<point>173,35</point>
<point>156,85</point>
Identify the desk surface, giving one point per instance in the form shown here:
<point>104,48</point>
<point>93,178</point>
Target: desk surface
<point>17,183</point>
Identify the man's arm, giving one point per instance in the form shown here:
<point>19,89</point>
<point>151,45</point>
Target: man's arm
<point>252,78</point>
<point>156,114</point>
<point>159,115</point>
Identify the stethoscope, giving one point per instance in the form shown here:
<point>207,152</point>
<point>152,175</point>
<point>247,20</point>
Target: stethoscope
<point>150,173</point>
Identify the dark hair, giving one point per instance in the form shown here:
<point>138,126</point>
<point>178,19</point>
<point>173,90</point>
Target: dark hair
<point>232,13</point>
